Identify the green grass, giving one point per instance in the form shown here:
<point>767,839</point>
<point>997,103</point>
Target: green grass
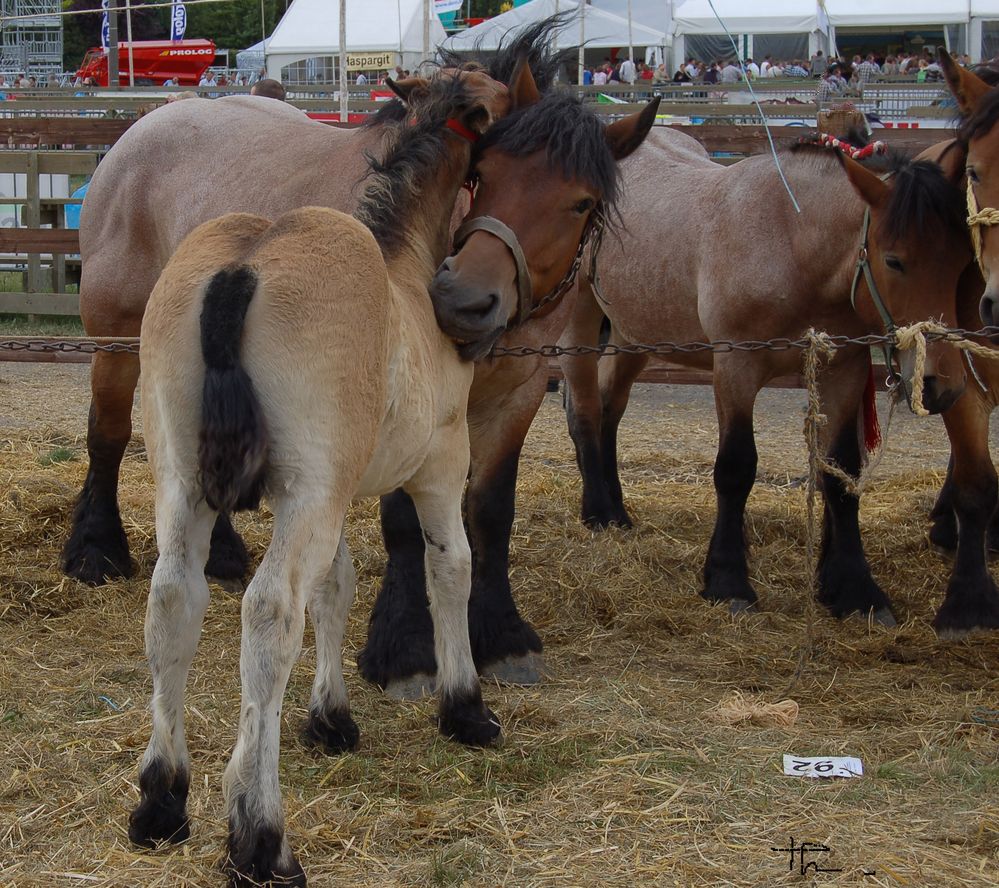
<point>57,455</point>
<point>21,325</point>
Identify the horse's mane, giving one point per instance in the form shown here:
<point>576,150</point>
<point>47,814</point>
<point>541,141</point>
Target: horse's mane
<point>922,201</point>
<point>393,182</point>
<point>535,43</point>
<point>571,134</point>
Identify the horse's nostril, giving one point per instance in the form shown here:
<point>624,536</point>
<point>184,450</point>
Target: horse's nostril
<point>987,310</point>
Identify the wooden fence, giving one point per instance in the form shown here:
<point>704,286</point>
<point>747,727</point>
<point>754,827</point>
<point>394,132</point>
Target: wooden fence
<point>47,257</point>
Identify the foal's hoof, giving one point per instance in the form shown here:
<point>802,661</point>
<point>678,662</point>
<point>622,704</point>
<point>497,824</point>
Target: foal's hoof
<point>332,732</point>
<point>526,669</point>
<point>155,821</point>
<point>161,815</point>
<point>469,721</point>
<point>411,687</point>
<point>262,858</point>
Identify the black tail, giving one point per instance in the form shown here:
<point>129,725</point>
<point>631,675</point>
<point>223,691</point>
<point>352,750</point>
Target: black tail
<point>232,455</point>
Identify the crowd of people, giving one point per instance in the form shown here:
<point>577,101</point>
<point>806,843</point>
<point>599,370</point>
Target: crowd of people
<point>836,74</point>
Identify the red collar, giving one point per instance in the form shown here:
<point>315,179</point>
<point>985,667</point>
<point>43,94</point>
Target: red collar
<point>456,126</point>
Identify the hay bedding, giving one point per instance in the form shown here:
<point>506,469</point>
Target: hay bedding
<point>617,772</point>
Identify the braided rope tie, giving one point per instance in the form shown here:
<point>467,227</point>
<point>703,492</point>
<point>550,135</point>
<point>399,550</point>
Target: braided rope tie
<point>976,220</point>
<point>868,150</point>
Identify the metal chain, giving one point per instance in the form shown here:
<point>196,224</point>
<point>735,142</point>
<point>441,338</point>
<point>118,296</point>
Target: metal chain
<point>130,345</point>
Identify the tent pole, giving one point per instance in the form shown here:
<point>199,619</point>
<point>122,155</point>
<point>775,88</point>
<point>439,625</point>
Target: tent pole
<point>631,42</point>
<point>343,61</point>
<point>582,43</point>
<point>128,26</point>
<point>426,29</point>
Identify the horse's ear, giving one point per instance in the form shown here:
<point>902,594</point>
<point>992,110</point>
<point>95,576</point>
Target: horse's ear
<point>523,88</point>
<point>408,88</point>
<point>625,135</point>
<point>952,161</point>
<point>869,186</point>
<point>968,88</point>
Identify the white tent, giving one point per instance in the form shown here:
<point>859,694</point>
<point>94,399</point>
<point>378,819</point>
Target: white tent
<point>783,28</point>
<point>983,30</point>
<point>600,29</point>
<point>310,29</point>
<point>892,13</point>
<point>654,13</point>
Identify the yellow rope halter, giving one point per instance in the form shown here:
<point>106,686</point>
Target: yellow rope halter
<point>976,219</point>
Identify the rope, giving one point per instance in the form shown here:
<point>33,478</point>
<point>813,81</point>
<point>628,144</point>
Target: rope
<point>976,219</point>
<point>868,150</point>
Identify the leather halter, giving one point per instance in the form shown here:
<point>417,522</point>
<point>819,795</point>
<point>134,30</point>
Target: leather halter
<point>863,267</point>
<point>526,307</point>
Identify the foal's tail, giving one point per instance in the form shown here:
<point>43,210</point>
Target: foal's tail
<point>232,455</point>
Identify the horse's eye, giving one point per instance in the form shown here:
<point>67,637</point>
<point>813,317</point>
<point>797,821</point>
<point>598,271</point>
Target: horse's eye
<point>584,206</point>
<point>894,263</point>
<point>972,174</point>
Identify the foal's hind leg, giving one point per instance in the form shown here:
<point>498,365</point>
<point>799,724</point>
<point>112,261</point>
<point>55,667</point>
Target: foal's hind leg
<point>737,381</point>
<point>330,725</point>
<point>305,532</point>
<point>844,576</point>
<point>972,601</point>
<point>436,493</point>
<point>178,596</point>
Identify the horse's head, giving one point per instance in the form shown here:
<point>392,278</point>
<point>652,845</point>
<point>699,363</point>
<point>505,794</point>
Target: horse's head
<point>916,248</point>
<point>978,135</point>
<point>545,177</point>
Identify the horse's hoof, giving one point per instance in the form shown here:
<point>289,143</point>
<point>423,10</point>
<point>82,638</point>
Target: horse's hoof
<point>942,551</point>
<point>94,566</point>
<point>884,617</point>
<point>233,587</point>
<point>739,607</point>
<point>333,732</point>
<point>470,721</point>
<point>411,687</point>
<point>526,669</point>
<point>261,856</point>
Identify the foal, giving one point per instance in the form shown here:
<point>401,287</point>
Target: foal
<point>319,375</point>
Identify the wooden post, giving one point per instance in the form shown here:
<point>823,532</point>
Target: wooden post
<point>33,219</point>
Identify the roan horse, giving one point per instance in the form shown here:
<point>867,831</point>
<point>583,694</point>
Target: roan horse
<point>320,374</point>
<point>792,273</point>
<point>572,161</point>
<point>170,172</point>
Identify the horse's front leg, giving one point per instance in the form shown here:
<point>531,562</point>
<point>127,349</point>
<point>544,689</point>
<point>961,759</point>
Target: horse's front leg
<point>307,527</point>
<point>398,654</point>
<point>436,492</point>
<point>844,575</point>
<point>504,645</point>
<point>738,377</point>
<point>178,597</point>
<point>972,601</point>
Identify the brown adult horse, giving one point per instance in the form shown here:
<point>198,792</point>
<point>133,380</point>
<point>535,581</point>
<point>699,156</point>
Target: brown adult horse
<point>967,502</point>
<point>300,359</point>
<point>572,166</point>
<point>166,175</point>
<point>794,272</point>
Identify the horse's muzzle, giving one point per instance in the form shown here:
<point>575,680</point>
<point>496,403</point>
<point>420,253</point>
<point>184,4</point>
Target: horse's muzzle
<point>938,398</point>
<point>471,314</point>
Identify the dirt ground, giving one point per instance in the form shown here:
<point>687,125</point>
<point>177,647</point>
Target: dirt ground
<point>617,771</point>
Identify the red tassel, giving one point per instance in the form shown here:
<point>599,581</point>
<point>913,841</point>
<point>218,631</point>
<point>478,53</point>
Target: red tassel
<point>872,428</point>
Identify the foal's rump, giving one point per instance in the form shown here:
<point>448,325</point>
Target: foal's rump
<point>249,378</point>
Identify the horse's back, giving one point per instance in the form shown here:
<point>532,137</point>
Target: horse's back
<point>192,161</point>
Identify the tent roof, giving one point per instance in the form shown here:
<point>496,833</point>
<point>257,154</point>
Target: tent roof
<point>312,27</point>
<point>759,17</point>
<point>985,9</point>
<point>600,29</point>
<point>887,13</point>
<point>653,13</point>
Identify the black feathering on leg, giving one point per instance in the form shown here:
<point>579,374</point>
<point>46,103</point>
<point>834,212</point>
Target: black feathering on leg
<point>161,814</point>
<point>465,718</point>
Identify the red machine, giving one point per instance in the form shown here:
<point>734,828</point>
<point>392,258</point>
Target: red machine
<point>153,61</point>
